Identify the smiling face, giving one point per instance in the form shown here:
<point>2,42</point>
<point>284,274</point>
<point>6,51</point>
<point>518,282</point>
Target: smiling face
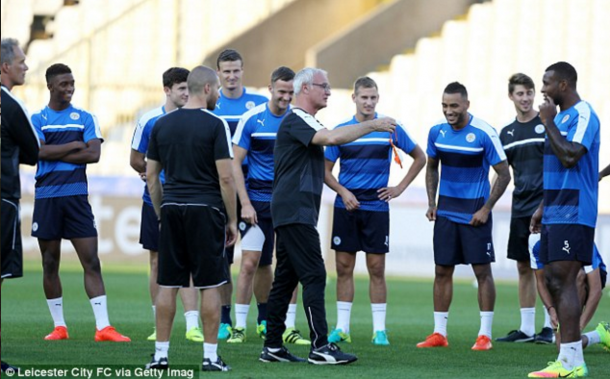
<point>455,109</point>
<point>281,96</point>
<point>178,94</point>
<point>62,89</point>
<point>523,98</point>
<point>230,74</point>
<point>366,99</point>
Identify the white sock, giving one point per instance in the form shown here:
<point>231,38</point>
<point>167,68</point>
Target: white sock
<point>379,312</point>
<point>487,319</point>
<point>241,315</point>
<point>528,321</point>
<point>210,351</point>
<point>344,310</point>
<point>100,311</point>
<point>192,320</point>
<point>440,323</point>
<point>593,337</point>
<point>547,319</point>
<point>291,316</point>
<point>56,307</point>
<point>161,350</point>
<point>570,354</point>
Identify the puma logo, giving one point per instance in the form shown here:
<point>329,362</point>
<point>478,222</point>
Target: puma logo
<point>566,246</point>
<point>443,132</point>
<point>511,132</point>
<point>97,303</point>
<point>262,122</point>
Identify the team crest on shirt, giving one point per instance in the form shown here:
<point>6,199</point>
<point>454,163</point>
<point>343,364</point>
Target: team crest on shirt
<point>249,104</point>
<point>565,118</point>
<point>74,116</point>
<point>242,226</point>
<point>539,129</point>
<point>34,226</point>
<point>470,137</point>
<point>337,240</point>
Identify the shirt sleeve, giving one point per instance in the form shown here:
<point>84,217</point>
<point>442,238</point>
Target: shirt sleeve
<point>494,152</point>
<point>584,127</point>
<point>243,133</point>
<point>431,149</point>
<point>403,139</point>
<point>92,128</point>
<point>305,127</point>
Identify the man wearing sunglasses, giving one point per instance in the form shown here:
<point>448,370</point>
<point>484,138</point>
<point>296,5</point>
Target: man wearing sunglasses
<point>361,219</point>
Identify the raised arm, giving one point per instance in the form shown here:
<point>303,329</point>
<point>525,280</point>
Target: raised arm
<point>343,135</point>
<point>568,153</point>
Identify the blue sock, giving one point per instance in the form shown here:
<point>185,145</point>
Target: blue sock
<point>262,312</point>
<point>225,315</point>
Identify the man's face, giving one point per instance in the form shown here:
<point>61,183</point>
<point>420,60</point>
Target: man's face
<point>213,96</point>
<point>319,90</point>
<point>523,98</point>
<point>62,88</point>
<point>366,100</point>
<point>455,108</point>
<point>281,94</point>
<point>230,73</point>
<point>178,94</point>
<point>552,87</point>
<point>15,71</point>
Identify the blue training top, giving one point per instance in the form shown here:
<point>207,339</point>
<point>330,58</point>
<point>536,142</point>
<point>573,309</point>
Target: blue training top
<point>58,178</point>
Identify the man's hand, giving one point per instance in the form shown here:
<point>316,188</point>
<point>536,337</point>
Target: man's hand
<point>231,234</point>
<point>548,110</point>
<point>248,214</point>
<point>536,221</point>
<point>431,213</point>
<point>350,201</point>
<point>480,217</point>
<point>384,124</point>
<point>388,193</point>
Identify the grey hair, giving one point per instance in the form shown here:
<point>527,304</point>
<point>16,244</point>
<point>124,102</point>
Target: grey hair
<point>305,76</point>
<point>8,50</point>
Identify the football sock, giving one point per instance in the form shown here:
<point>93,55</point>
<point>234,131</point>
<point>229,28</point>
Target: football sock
<point>262,312</point>
<point>192,320</point>
<point>547,319</point>
<point>528,321</point>
<point>100,311</point>
<point>344,310</point>
<point>241,315</point>
<point>593,338</point>
<point>225,315</point>
<point>440,322</point>
<point>161,350</point>
<point>210,351</point>
<point>569,354</point>
<point>291,316</point>
<point>56,307</point>
<point>379,313</point>
<point>487,319</point>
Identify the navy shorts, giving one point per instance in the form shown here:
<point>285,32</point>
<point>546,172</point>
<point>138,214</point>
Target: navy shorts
<point>12,251</point>
<point>192,242</point>
<point>263,215</point>
<point>64,217</point>
<point>359,230</point>
<point>456,243</point>
<point>518,246</point>
<point>567,242</point>
<point>149,228</point>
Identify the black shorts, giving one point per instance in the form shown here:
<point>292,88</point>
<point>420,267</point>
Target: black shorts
<point>518,247</point>
<point>12,251</point>
<point>359,230</point>
<point>456,243</point>
<point>64,217</point>
<point>149,228</point>
<point>263,214</point>
<point>567,242</point>
<point>192,242</point>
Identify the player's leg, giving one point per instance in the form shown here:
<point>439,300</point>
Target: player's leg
<point>292,334</point>
<point>375,264</point>
<point>149,239</point>
<point>51,257</point>
<point>226,292</point>
<point>189,297</point>
<point>263,278</point>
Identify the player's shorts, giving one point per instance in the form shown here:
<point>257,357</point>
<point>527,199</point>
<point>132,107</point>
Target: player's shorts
<point>192,242</point>
<point>359,230</point>
<point>149,228</point>
<point>518,239</point>
<point>567,242</point>
<point>456,243</point>
<point>12,251</point>
<point>261,236</point>
<point>64,217</point>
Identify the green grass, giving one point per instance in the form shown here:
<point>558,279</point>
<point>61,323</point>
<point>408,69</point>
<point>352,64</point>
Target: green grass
<point>26,320</point>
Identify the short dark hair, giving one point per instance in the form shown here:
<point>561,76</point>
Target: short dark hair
<point>56,69</point>
<point>456,87</point>
<point>564,71</point>
<point>282,73</point>
<point>175,75</point>
<point>364,81</point>
<point>520,79</point>
<point>228,55</point>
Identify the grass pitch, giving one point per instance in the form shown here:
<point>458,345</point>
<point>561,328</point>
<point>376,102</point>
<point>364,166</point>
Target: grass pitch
<point>26,320</point>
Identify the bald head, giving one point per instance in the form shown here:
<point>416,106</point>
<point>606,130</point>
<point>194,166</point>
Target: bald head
<point>199,77</point>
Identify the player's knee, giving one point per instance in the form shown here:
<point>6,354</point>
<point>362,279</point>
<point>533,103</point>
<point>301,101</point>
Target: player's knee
<point>50,264</point>
<point>92,265</point>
